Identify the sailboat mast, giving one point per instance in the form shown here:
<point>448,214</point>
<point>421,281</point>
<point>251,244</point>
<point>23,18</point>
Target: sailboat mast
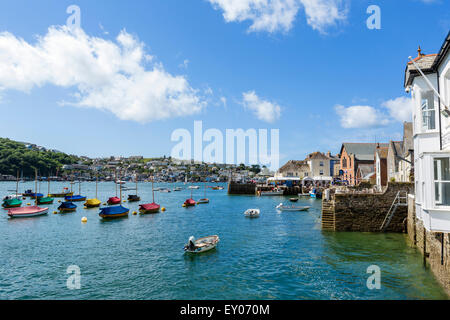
<point>136,184</point>
<point>115,178</point>
<point>120,187</point>
<point>48,193</point>
<point>153,192</point>
<point>35,185</point>
<point>17,183</point>
<point>96,188</point>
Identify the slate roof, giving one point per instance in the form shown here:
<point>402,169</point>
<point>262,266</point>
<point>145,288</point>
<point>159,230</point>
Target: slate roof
<point>294,165</point>
<point>427,62</point>
<point>362,151</point>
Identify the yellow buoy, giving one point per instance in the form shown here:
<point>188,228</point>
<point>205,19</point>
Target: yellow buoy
<point>55,212</point>
<point>124,201</point>
<point>84,219</point>
<point>59,201</point>
<point>163,209</point>
<point>134,213</point>
<point>85,207</point>
<point>28,204</point>
<point>183,205</point>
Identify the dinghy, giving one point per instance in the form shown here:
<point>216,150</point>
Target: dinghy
<point>201,245</point>
<point>67,207</point>
<point>282,207</point>
<point>29,211</point>
<point>252,213</point>
<point>189,203</point>
<point>76,198</point>
<point>177,189</point>
<point>113,200</point>
<point>293,199</point>
<point>64,193</point>
<point>26,212</point>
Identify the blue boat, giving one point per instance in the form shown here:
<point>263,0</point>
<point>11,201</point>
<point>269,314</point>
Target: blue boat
<point>67,207</point>
<point>76,198</point>
<point>35,195</point>
<point>113,212</point>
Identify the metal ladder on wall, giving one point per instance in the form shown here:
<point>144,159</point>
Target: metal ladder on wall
<point>401,200</point>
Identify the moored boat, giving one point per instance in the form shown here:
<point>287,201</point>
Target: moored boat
<point>274,192</point>
<point>149,208</point>
<point>64,193</point>
<point>177,189</point>
<point>26,212</point>
<point>113,212</point>
<point>67,207</point>
<point>252,213</point>
<point>113,200</point>
<point>283,207</point>
<point>76,198</point>
<point>92,203</point>
<point>201,245</point>
<point>189,203</point>
<point>45,200</point>
<point>293,199</point>
<point>134,197</point>
<point>205,199</point>
<point>11,203</point>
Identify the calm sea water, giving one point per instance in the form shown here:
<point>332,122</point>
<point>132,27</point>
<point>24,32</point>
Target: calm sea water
<point>276,256</point>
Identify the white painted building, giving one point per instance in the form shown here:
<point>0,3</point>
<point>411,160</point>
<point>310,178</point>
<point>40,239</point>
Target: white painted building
<point>431,135</point>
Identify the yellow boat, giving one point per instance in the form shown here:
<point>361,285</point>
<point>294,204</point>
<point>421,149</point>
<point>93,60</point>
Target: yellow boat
<point>92,203</point>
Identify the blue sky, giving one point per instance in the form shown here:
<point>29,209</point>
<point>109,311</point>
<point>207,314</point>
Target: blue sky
<point>308,74</point>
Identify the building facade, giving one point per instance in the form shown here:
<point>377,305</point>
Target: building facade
<point>431,129</point>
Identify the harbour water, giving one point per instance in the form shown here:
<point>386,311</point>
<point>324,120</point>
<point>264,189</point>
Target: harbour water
<point>276,256</point>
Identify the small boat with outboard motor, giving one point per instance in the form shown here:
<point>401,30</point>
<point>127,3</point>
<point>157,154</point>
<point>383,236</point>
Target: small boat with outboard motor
<point>201,245</point>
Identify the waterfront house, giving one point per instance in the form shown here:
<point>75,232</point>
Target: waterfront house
<point>366,173</point>
<point>294,169</point>
<point>400,156</point>
<point>431,130</point>
<point>380,165</point>
<point>353,155</point>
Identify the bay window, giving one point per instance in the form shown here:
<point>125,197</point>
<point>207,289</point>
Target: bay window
<point>442,181</point>
<point>428,112</point>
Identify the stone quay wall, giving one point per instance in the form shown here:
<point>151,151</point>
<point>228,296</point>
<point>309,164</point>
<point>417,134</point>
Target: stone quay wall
<point>241,188</point>
<point>365,212</point>
<point>434,246</point>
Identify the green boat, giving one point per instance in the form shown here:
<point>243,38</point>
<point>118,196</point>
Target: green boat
<point>45,200</point>
<point>11,203</point>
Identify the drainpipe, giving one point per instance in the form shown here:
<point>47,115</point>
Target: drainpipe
<point>439,108</point>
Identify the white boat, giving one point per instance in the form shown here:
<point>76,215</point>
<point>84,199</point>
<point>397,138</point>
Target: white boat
<point>194,187</point>
<point>177,189</point>
<point>274,192</point>
<point>282,207</point>
<point>164,190</point>
<point>202,244</point>
<point>13,196</point>
<point>120,182</point>
<point>252,213</point>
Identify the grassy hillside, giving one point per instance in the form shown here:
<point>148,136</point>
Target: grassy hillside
<point>16,156</point>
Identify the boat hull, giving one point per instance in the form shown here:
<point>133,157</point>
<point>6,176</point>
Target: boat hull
<point>203,201</point>
<point>149,208</point>
<point>61,195</point>
<point>27,212</point>
<point>203,245</point>
<point>92,203</point>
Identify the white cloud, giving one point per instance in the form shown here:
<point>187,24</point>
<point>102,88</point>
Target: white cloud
<point>115,76</point>
<point>400,108</point>
<point>222,99</point>
<point>263,109</point>
<point>279,15</point>
<point>360,117</point>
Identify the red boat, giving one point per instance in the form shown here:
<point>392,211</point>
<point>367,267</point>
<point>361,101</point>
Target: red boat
<point>113,200</point>
<point>149,208</point>
<point>189,203</point>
